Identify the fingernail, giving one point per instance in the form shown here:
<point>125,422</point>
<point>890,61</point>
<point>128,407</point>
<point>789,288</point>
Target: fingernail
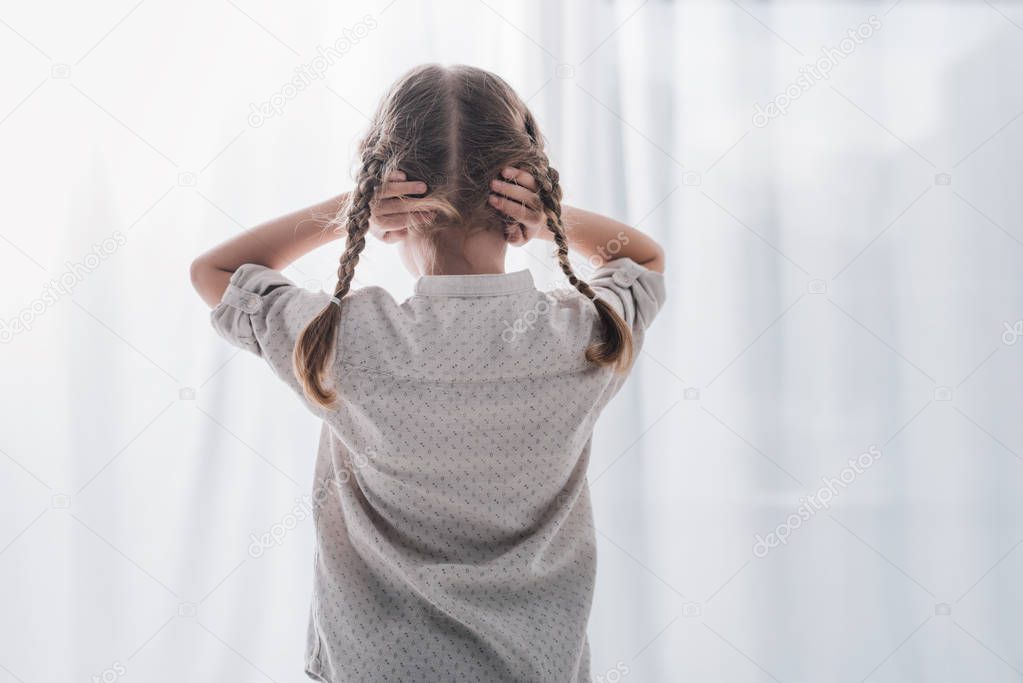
<point>508,172</point>
<point>421,187</point>
<point>493,199</point>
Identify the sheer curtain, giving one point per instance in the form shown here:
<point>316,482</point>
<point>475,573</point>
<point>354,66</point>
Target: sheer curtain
<point>814,472</point>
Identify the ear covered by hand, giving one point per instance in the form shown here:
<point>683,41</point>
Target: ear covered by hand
<point>399,204</point>
<point>514,196</point>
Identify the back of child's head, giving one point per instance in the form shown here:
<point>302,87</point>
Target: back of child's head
<point>454,129</point>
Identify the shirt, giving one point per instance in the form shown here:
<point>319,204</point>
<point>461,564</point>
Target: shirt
<point>454,536</point>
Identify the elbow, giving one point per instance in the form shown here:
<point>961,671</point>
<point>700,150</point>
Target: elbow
<point>205,277</point>
<point>209,280</point>
<point>655,261</point>
<point>196,273</point>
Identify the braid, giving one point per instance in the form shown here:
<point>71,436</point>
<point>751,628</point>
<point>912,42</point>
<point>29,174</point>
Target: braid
<point>358,224</point>
<point>316,344</point>
<point>615,346</point>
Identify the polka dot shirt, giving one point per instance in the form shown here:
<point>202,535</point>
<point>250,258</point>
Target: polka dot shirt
<point>454,537</point>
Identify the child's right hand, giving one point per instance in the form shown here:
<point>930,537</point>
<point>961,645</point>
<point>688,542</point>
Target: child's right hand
<point>394,210</point>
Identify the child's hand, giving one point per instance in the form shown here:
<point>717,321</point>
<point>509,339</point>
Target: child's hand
<point>514,196</point>
<point>393,211</point>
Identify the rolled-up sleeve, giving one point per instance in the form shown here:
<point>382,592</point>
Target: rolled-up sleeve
<point>262,311</point>
<point>637,293</point>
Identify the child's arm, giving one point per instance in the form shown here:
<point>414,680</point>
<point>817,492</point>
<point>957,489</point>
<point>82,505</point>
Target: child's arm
<point>273,244</point>
<point>596,237</point>
<point>602,239</point>
<point>278,242</point>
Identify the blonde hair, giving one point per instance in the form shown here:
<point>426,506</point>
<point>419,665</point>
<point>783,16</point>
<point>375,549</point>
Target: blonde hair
<point>453,128</point>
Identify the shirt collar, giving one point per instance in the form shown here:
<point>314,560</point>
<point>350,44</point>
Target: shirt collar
<point>475,285</point>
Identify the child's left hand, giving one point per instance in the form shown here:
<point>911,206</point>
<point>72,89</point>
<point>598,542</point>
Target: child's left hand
<point>514,196</point>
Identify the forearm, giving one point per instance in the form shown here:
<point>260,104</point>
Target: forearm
<point>274,244</point>
<point>602,239</point>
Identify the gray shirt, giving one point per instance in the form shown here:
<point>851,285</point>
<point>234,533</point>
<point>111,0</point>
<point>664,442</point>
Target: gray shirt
<point>454,536</point>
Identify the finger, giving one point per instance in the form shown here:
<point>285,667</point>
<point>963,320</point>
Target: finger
<point>386,207</point>
<point>516,192</point>
<point>403,220</point>
<point>396,175</point>
<point>519,177</point>
<point>408,220</point>
<point>511,209</point>
<point>400,188</point>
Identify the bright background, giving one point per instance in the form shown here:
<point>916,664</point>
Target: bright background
<point>843,277</point>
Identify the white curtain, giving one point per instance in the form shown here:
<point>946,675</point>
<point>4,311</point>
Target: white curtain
<point>844,252</point>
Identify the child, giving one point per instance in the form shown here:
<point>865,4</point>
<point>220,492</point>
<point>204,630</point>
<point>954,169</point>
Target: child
<point>452,516</point>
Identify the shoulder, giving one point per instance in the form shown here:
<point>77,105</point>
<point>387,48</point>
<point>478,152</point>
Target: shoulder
<point>568,301</point>
<point>256,289</point>
<point>256,279</point>
<point>637,293</point>
<point>263,311</point>
<point>371,310</point>
<point>369,301</point>
<point>255,294</point>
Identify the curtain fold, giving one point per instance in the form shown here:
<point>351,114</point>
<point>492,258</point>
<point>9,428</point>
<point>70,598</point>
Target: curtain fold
<point>814,472</point>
